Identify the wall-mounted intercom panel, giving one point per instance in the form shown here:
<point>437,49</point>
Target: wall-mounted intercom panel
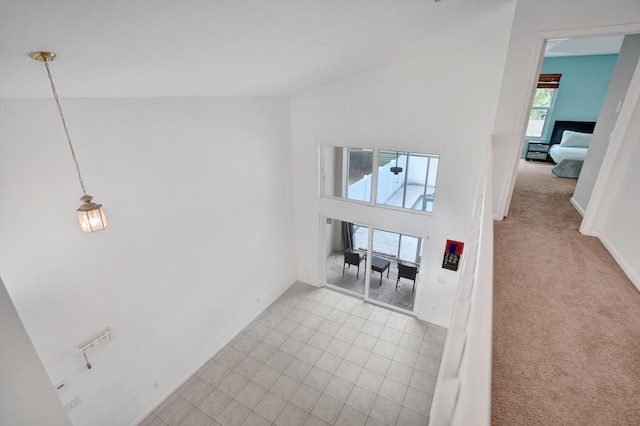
<point>452,253</point>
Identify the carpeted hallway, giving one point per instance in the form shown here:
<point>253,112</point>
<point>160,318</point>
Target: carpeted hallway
<point>566,333</point>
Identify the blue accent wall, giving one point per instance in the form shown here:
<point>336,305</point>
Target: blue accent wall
<point>583,84</point>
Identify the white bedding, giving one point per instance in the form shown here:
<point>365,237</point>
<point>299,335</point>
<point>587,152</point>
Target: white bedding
<point>559,153</point>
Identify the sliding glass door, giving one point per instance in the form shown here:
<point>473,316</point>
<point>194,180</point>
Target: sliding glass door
<point>395,261</point>
<point>378,265</point>
<point>346,255</point>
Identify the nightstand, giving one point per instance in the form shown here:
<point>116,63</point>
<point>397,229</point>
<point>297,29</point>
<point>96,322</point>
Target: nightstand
<point>538,150</point>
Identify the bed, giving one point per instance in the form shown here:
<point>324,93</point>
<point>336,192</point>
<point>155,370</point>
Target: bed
<point>569,144</point>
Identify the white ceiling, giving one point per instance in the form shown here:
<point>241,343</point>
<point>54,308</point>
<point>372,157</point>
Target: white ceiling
<point>584,46</point>
<point>133,48</point>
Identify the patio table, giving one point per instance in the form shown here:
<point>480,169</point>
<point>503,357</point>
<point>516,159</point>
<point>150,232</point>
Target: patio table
<point>379,264</point>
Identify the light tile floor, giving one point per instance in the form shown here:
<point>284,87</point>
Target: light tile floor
<point>314,357</point>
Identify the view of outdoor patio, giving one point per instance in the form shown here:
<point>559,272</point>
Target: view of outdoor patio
<point>404,179</point>
<point>387,249</point>
<point>382,288</point>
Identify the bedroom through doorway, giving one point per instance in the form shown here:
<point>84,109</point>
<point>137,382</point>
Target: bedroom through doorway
<point>568,97</point>
<point>582,85</point>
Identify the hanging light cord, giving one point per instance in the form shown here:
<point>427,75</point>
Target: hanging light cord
<point>66,131</point>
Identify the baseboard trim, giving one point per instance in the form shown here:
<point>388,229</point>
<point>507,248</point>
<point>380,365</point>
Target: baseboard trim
<point>577,206</point>
<point>628,270</point>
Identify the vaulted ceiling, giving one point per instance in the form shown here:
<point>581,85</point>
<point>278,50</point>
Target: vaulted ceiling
<point>125,48</point>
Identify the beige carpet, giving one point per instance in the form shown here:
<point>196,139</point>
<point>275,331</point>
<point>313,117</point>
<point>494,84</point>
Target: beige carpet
<point>566,343</point>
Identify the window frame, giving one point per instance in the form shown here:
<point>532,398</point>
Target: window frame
<point>429,158</point>
<point>545,81</point>
<point>348,151</point>
<point>325,192</point>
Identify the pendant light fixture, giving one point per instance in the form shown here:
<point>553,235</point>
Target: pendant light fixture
<point>91,215</point>
<point>395,170</point>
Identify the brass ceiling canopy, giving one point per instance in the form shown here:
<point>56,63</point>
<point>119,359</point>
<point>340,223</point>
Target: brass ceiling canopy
<point>43,56</point>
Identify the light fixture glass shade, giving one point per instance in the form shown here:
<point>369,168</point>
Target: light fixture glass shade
<point>91,215</point>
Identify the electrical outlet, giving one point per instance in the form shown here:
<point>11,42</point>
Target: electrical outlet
<point>72,404</point>
<point>62,386</point>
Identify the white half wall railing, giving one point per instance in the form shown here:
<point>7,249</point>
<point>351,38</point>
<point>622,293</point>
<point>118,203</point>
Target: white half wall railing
<point>463,392</point>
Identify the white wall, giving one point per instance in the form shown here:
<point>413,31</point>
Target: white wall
<point>24,380</point>
<point>443,103</point>
<point>532,23</point>
<point>198,196</point>
<point>616,221</point>
<point>620,79</point>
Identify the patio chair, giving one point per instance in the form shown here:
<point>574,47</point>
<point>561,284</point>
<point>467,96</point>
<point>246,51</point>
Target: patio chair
<point>353,258</point>
<point>408,272</point>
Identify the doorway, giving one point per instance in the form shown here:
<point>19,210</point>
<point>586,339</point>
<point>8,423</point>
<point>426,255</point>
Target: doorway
<point>377,265</point>
<point>616,91</point>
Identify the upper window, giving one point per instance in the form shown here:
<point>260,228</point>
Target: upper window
<point>407,180</point>
<point>359,167</point>
<point>404,179</point>
<point>542,103</point>
<point>346,172</point>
